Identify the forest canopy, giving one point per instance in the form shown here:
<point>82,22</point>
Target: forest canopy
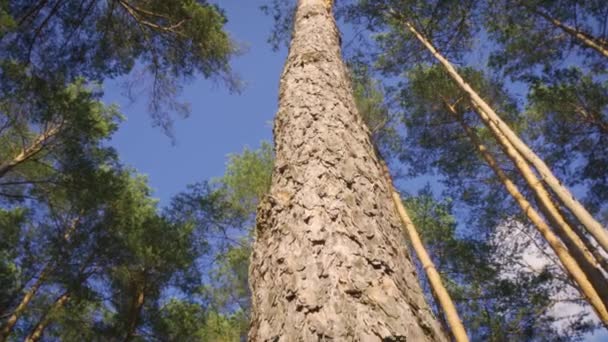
<point>446,159</point>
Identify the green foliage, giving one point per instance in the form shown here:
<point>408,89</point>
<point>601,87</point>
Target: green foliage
<point>498,299</point>
<point>568,117</point>
<point>247,177</point>
<point>136,271</point>
<point>222,214</point>
<point>223,329</point>
<point>282,14</point>
<point>179,321</point>
<point>168,41</point>
<point>91,226</point>
<point>371,103</point>
<point>436,141</point>
<point>528,42</point>
<point>448,24</point>
<point>64,134</point>
<point>6,20</point>
<point>11,223</point>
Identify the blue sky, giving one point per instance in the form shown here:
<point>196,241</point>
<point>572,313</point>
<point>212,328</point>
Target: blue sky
<point>220,122</point>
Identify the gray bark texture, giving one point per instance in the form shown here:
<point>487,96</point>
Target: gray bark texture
<point>330,262</point>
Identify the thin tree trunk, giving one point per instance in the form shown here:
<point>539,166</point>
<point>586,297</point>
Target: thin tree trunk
<point>596,252</point>
<point>49,267</point>
<point>590,224</point>
<point>44,321</point>
<point>329,260</point>
<point>440,293</point>
<point>571,239</point>
<point>565,231</point>
<point>135,311</point>
<point>8,326</point>
<point>35,147</point>
<point>568,262</point>
<point>36,333</point>
<point>598,45</point>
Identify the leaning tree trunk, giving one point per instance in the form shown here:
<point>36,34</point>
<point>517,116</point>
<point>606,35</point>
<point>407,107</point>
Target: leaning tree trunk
<point>490,118</point>
<point>583,37</point>
<point>42,141</point>
<point>36,334</point>
<point>7,328</point>
<point>329,261</point>
<point>573,269</point>
<point>440,293</point>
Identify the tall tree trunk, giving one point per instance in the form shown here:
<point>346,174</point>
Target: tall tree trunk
<point>543,198</point>
<point>585,38</point>
<point>440,293</point>
<point>44,321</point>
<point>569,201</point>
<point>28,152</point>
<point>596,252</point>
<point>8,326</point>
<point>329,259</point>
<point>36,333</point>
<point>137,304</point>
<point>49,267</point>
<point>568,262</point>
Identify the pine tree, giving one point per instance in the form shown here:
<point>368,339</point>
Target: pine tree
<point>329,259</point>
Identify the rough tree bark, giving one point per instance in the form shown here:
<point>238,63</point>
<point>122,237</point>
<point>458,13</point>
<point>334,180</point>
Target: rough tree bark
<point>329,261</point>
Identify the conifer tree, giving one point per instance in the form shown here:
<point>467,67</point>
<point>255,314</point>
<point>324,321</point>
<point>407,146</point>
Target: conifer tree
<point>329,259</point>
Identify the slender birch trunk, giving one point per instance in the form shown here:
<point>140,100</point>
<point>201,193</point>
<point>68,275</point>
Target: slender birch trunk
<point>329,259</point>
<point>440,293</point>
<point>569,201</point>
<point>571,266</point>
<point>44,321</point>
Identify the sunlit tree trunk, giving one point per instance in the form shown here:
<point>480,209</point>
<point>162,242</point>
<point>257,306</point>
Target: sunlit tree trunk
<point>571,266</point>
<point>31,150</point>
<point>492,119</point>
<point>44,321</point>
<point>47,269</point>
<point>593,226</point>
<point>566,232</point>
<point>139,297</point>
<point>585,38</point>
<point>12,319</point>
<point>440,293</point>
<point>330,260</point>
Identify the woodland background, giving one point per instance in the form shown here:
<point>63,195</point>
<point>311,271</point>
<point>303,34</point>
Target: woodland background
<point>205,173</point>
